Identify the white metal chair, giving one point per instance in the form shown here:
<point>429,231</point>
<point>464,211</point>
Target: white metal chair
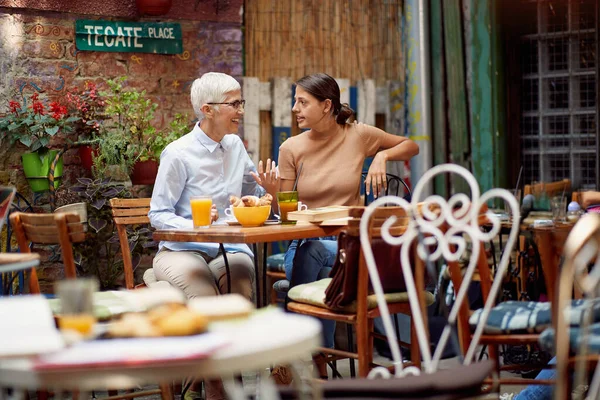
<point>440,225</point>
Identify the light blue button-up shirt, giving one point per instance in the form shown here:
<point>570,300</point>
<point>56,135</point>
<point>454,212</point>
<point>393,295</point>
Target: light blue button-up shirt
<point>196,165</point>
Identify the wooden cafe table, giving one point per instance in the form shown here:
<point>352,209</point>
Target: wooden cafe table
<point>255,235</point>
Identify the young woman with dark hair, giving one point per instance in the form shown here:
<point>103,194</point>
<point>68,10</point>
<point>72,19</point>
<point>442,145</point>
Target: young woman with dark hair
<point>332,153</point>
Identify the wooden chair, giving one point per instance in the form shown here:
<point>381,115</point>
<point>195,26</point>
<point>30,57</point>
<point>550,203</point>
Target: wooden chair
<point>582,249</point>
<point>551,188</point>
<point>362,319</point>
<point>129,212</point>
<point>439,236</point>
<point>63,229</point>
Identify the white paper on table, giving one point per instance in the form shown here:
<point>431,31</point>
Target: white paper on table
<point>133,351</point>
<point>28,327</point>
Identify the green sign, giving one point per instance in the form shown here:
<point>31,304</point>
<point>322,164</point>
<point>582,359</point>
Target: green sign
<point>132,37</point>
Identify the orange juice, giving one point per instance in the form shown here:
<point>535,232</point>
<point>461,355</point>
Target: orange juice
<point>82,323</point>
<point>284,208</point>
<point>201,211</point>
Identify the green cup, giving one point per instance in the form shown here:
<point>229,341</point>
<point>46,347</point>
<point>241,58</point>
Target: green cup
<point>288,202</point>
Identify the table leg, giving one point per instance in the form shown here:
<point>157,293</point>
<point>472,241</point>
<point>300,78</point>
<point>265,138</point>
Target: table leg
<point>257,276</point>
<point>264,274</point>
<point>227,270</point>
<point>543,241</point>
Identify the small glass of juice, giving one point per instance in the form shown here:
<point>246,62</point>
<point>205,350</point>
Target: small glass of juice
<point>288,202</point>
<point>201,206</point>
<point>77,305</point>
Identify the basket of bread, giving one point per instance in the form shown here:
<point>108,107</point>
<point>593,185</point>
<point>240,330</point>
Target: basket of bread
<point>251,210</point>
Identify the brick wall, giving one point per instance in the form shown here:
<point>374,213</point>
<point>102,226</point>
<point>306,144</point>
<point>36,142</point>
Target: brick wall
<point>38,54</point>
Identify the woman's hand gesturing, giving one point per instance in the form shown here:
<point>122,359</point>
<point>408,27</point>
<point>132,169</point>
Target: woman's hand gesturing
<point>269,178</point>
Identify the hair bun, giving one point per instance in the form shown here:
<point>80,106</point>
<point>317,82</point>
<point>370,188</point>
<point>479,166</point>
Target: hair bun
<point>344,113</point>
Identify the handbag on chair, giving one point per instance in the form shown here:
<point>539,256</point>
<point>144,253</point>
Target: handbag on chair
<point>342,290</point>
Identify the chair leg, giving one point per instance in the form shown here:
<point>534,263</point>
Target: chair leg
<point>364,345</point>
<point>166,393</point>
<point>350,335</point>
<point>415,352</point>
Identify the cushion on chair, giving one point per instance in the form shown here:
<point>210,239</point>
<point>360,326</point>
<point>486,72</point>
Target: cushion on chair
<point>527,316</point>
<point>314,294</point>
<point>575,335</point>
<point>275,262</point>
<point>459,382</point>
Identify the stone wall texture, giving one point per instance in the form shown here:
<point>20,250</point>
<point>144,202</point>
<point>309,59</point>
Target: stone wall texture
<point>38,54</point>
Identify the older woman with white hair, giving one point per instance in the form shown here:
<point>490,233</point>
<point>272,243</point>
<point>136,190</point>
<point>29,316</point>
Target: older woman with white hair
<point>212,161</point>
<point>209,161</point>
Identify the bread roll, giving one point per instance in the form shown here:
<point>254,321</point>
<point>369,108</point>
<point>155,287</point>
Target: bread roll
<point>251,201</point>
<point>266,200</point>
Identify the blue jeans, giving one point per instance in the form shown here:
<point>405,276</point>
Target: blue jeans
<point>308,263</point>
<point>539,392</point>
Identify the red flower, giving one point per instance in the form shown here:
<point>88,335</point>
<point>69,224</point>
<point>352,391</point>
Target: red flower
<point>38,107</point>
<point>14,107</point>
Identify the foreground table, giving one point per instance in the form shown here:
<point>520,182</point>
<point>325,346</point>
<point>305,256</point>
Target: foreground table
<point>238,234</point>
<point>268,337</point>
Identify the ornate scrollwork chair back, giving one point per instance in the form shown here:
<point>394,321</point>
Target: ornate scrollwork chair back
<point>582,250</point>
<point>437,226</point>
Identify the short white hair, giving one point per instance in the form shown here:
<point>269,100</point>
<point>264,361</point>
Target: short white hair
<point>211,87</point>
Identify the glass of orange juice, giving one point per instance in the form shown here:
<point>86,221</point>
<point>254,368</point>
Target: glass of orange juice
<point>77,305</point>
<point>288,201</point>
<point>201,206</point>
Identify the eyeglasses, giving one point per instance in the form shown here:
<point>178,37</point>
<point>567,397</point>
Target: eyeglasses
<point>235,104</point>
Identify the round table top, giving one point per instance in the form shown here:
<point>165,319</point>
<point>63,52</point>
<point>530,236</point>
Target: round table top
<point>266,338</point>
<point>14,262</point>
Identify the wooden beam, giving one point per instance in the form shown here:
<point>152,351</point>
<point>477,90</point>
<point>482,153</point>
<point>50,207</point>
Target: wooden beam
<point>499,129</point>
<point>366,101</point>
<point>282,113</point>
<point>344,85</point>
<point>251,93</point>
<point>457,97</point>
<point>438,98</point>
<point>479,73</point>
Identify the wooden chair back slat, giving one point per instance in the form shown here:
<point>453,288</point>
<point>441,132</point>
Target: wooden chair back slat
<point>551,188</point>
<point>48,219</point>
<point>129,212</point>
<point>130,203</point>
<point>131,220</point>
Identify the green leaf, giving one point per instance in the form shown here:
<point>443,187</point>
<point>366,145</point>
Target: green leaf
<point>44,141</point>
<point>26,140</point>
<point>51,131</point>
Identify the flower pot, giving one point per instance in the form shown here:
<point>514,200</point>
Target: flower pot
<point>144,172</point>
<point>36,167</point>
<point>86,155</point>
<point>153,7</point>
<point>78,208</point>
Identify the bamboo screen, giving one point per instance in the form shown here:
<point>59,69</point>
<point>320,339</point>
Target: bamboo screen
<point>353,39</point>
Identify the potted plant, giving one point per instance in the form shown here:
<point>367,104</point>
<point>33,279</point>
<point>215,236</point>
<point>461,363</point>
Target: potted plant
<point>128,132</point>
<point>34,125</point>
<point>145,170</point>
<point>99,255</point>
<point>88,106</point>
